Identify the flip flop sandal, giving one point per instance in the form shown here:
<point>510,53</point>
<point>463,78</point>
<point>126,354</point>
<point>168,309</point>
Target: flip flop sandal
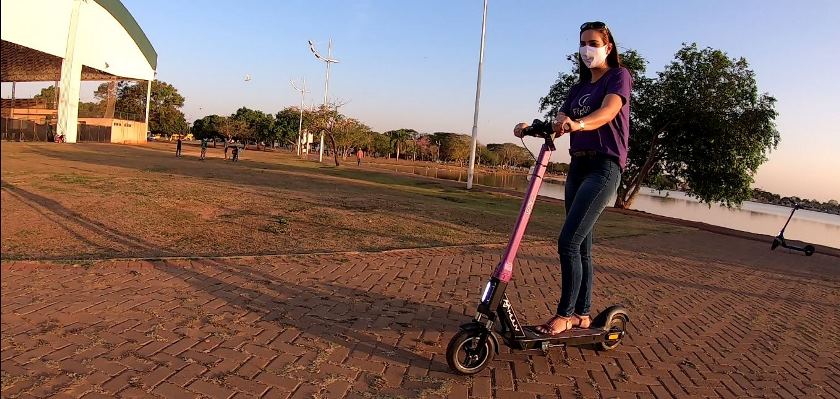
<point>546,328</point>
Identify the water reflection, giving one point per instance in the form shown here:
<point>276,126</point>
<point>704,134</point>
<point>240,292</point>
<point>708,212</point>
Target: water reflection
<point>808,226</point>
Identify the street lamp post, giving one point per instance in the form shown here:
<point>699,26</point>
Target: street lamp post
<point>471,169</point>
<point>303,92</point>
<point>328,60</point>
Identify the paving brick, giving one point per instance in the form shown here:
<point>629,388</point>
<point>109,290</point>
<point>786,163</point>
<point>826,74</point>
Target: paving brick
<point>173,391</point>
<point>379,326</point>
<point>187,374</point>
<point>156,376</point>
<point>282,383</point>
<point>210,389</point>
<point>249,386</point>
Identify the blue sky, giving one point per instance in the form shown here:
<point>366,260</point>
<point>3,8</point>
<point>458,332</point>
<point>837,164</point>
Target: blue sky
<point>413,63</point>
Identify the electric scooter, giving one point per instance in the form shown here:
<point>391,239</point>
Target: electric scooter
<point>473,347</point>
<point>780,239</point>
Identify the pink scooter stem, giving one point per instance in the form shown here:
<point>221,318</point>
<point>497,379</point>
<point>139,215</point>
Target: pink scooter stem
<point>504,271</point>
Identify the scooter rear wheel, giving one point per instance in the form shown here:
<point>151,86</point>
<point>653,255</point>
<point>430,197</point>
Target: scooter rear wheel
<point>618,324</point>
<point>463,354</point>
<point>809,250</point>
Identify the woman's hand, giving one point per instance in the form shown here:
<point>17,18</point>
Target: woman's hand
<point>564,125</point>
<point>519,129</point>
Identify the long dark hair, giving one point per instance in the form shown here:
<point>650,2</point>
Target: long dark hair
<point>613,61</point>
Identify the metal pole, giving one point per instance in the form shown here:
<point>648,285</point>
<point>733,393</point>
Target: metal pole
<point>303,92</point>
<point>328,60</point>
<point>11,110</point>
<point>470,170</point>
<point>326,99</point>
<point>300,123</point>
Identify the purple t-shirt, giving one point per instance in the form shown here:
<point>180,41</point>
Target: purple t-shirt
<point>585,98</point>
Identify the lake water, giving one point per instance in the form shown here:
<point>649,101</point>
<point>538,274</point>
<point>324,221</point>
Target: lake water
<point>807,226</point>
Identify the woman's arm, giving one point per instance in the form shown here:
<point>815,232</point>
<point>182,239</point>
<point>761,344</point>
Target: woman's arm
<point>610,107</point>
<point>619,87</point>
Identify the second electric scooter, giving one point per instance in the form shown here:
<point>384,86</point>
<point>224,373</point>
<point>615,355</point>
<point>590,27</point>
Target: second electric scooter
<point>474,346</point>
<point>779,240</point>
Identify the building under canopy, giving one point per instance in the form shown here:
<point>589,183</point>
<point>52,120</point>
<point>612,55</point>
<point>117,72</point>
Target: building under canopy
<point>66,42</point>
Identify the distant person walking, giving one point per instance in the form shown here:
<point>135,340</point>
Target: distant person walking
<point>234,152</point>
<point>359,155</point>
<point>227,146</point>
<point>178,147</point>
<point>203,149</point>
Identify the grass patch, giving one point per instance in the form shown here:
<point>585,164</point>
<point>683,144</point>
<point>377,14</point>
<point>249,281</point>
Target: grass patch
<point>140,201</point>
<point>72,179</point>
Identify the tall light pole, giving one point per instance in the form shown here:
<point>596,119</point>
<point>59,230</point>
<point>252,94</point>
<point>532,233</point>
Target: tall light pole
<point>328,60</point>
<point>303,92</point>
<point>471,169</point>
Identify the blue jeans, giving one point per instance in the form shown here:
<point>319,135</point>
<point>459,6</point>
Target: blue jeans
<point>591,183</point>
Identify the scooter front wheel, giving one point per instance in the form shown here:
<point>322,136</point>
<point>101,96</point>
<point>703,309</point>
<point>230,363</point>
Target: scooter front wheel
<point>464,354</point>
<point>809,250</point>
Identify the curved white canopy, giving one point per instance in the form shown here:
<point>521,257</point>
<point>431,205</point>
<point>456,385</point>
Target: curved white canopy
<point>107,37</point>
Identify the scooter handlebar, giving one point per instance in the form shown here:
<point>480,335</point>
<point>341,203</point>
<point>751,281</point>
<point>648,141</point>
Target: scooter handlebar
<point>537,128</point>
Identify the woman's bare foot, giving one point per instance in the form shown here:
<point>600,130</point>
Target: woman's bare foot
<point>555,325</point>
<point>582,321</point>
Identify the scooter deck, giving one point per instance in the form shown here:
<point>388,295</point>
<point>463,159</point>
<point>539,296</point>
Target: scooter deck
<point>576,336</point>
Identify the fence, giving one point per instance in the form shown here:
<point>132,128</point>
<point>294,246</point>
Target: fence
<point>25,130</point>
<point>92,133</point>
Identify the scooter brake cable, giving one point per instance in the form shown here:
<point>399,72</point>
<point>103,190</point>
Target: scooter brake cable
<point>528,149</point>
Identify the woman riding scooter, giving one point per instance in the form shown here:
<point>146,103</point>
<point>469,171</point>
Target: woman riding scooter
<point>596,113</point>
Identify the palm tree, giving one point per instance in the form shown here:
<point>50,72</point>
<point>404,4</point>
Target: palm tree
<point>398,137</point>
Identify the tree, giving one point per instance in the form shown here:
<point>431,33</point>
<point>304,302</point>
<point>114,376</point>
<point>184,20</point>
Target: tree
<point>399,136</point>
<point>381,144</point>
<point>424,147</point>
<point>208,127</point>
<point>165,114</point>
<point>350,133</point>
<point>487,157</point>
<point>453,147</point>
<point>325,118</point>
<point>232,128</point>
<point>700,125</point>
<point>286,123</point>
<point>558,168</point>
<point>47,96</point>
<point>510,154</point>
<point>259,126</point>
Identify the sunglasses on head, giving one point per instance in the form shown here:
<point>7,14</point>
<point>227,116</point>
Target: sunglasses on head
<point>593,25</point>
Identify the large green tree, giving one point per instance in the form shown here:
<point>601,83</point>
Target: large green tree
<point>287,121</point>
<point>399,137</point>
<point>165,114</point>
<point>47,96</point>
<point>350,133</point>
<point>259,125</point>
<point>381,144</point>
<point>208,127</point>
<point>453,147</point>
<point>701,124</point>
<point>326,119</point>
<point>510,154</point>
<point>233,128</point>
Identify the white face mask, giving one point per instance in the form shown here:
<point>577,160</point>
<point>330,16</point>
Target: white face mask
<point>593,57</point>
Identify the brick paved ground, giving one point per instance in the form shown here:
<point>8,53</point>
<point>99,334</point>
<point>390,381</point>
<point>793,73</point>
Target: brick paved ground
<point>376,325</point>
